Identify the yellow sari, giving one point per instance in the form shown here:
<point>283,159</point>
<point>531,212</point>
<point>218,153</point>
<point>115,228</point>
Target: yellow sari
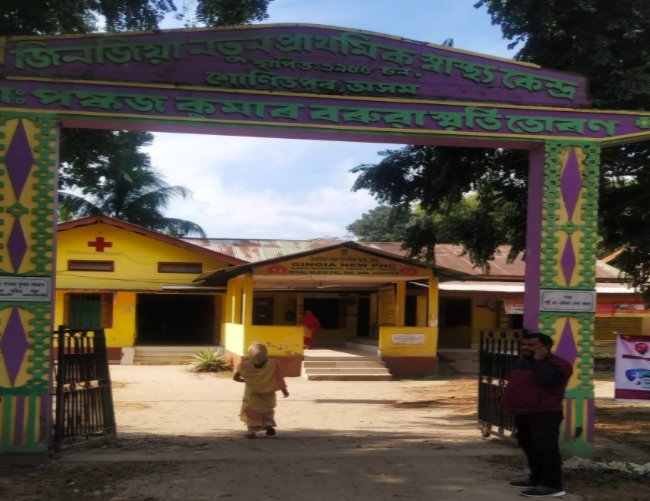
<point>258,406</point>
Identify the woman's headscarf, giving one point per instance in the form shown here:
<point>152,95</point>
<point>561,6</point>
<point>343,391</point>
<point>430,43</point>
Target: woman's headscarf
<point>258,353</point>
<point>260,379</point>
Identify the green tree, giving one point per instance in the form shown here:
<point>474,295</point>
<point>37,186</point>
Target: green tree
<point>86,155</point>
<point>129,189</point>
<point>603,40</point>
<point>52,17</point>
<point>382,224</point>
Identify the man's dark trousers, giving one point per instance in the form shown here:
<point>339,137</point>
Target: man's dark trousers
<point>539,435</point>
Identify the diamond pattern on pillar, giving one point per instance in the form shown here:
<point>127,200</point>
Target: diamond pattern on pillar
<point>571,183</point>
<point>568,260</point>
<point>14,345</point>
<point>17,245</point>
<point>566,348</point>
<point>19,160</point>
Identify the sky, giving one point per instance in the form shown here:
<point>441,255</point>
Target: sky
<point>298,189</point>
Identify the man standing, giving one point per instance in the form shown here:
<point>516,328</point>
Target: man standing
<point>534,395</point>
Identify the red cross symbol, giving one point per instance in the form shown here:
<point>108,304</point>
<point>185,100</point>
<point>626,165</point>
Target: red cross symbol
<point>99,244</point>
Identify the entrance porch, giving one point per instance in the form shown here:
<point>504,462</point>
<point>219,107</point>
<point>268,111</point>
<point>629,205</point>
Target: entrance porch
<point>359,296</point>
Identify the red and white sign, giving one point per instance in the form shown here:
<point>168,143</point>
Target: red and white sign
<point>514,307</point>
<point>277,269</point>
<point>623,308</point>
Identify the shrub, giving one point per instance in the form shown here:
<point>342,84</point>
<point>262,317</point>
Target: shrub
<point>208,361</point>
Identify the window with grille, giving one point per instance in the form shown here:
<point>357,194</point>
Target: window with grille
<point>89,310</point>
<point>193,268</point>
<point>91,265</point>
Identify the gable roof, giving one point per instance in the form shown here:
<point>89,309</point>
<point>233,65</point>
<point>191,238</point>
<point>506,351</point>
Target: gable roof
<point>447,255</point>
<point>161,237</point>
<point>227,273</point>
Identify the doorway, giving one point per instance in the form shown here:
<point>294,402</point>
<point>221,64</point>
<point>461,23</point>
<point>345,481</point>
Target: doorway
<point>363,317</point>
<point>175,320</point>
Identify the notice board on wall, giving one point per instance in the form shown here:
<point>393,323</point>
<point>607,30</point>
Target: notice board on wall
<point>606,327</point>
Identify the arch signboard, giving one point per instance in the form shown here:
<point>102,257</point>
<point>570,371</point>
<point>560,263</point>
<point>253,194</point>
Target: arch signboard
<point>293,81</point>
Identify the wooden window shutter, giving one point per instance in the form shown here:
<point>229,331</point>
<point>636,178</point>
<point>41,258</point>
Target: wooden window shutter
<point>107,311</point>
<point>66,310</point>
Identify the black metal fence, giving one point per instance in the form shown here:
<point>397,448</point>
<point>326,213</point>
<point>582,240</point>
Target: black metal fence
<point>83,393</point>
<point>499,349</point>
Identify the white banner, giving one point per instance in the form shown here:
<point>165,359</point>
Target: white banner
<point>632,368</point>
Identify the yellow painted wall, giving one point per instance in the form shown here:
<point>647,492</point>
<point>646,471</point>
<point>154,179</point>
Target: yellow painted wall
<point>281,340</point>
<point>422,310</point>
<point>389,349</point>
<point>136,260</point>
<point>123,331</point>
<point>606,326</point>
<point>482,318</point>
<point>234,338</point>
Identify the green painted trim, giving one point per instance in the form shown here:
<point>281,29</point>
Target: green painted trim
<point>6,424</point>
<point>31,421</point>
<point>23,390</point>
<point>578,448</point>
<point>27,114</point>
<point>331,129</point>
<point>23,449</point>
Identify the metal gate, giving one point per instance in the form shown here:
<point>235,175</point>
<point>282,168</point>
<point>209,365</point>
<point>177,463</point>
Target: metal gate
<point>83,393</point>
<point>499,349</point>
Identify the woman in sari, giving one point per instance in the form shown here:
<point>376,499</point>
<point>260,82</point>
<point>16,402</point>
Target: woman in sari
<point>311,324</point>
<point>263,377</point>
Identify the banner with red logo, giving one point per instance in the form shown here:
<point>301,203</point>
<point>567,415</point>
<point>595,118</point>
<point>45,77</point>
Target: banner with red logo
<point>345,262</point>
<point>623,308</point>
<point>632,368</point>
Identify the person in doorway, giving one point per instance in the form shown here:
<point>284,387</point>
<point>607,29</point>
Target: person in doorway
<point>263,377</point>
<point>534,394</point>
<point>311,325</point>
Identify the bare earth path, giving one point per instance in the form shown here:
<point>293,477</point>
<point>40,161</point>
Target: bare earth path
<point>181,439</point>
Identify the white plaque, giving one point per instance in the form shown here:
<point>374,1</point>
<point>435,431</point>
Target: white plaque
<point>37,289</point>
<point>408,339</point>
<point>568,300</point>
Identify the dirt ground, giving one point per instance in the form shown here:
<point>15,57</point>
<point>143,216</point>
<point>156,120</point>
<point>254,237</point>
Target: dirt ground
<point>180,439</point>
<point>621,422</point>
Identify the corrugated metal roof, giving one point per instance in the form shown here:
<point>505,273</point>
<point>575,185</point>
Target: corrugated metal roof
<point>447,255</point>
<point>253,251</point>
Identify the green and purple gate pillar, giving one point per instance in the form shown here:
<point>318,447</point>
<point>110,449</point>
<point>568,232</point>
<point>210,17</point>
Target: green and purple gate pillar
<point>28,158</point>
<point>560,296</point>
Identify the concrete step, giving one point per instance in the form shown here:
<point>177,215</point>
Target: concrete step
<point>168,355</point>
<point>175,349</point>
<point>157,362</point>
<point>346,370</point>
<point>335,358</point>
<point>336,364</point>
<point>349,377</point>
<point>180,360</point>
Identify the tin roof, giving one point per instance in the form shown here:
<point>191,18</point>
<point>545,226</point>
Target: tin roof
<point>447,255</point>
<point>221,276</point>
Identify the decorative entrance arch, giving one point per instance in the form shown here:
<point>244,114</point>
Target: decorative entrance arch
<point>295,81</point>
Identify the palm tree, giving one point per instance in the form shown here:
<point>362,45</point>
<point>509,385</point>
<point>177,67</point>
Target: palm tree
<point>132,192</point>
